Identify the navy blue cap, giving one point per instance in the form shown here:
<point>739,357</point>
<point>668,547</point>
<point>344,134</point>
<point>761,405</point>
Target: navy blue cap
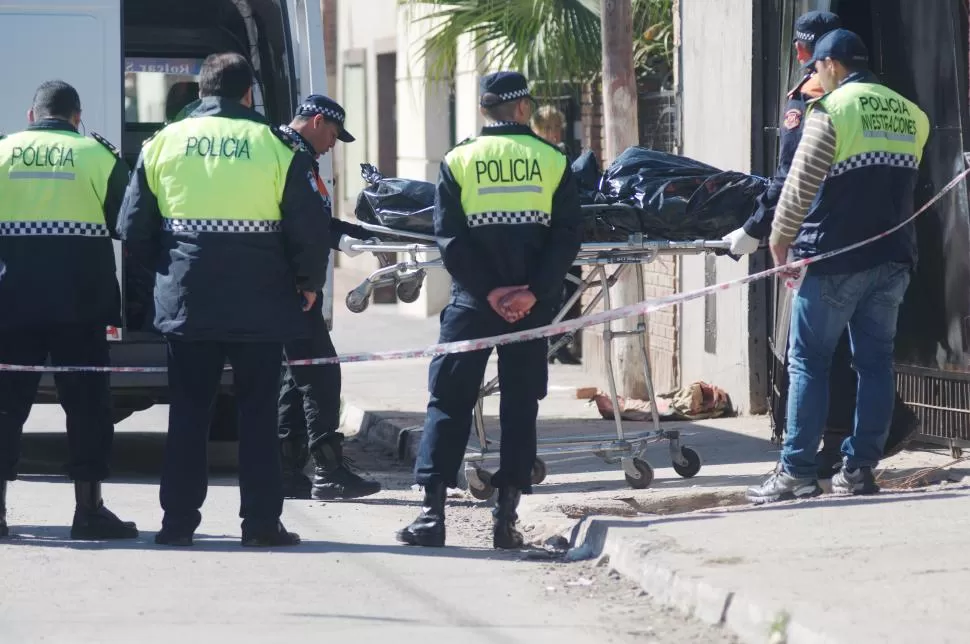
<point>842,45</point>
<point>502,87</point>
<point>328,109</point>
<point>811,26</point>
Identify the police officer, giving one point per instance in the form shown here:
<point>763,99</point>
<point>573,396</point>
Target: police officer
<point>229,217</point>
<point>852,178</point>
<point>809,28</point>
<point>508,223</point>
<point>61,194</point>
<point>309,404</point>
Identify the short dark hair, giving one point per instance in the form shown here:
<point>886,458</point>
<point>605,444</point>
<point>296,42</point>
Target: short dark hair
<point>502,111</point>
<point>226,75</point>
<point>56,99</point>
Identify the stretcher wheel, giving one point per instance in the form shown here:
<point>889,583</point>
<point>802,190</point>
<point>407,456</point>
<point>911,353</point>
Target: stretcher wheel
<point>483,491</point>
<point>693,465</point>
<point>409,292</point>
<point>645,477</point>
<point>355,303</point>
<point>538,471</point>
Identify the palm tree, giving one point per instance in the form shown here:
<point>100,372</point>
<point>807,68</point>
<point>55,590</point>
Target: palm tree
<point>553,42</point>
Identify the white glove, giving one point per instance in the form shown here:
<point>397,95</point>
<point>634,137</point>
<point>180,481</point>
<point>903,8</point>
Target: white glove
<point>741,242</point>
<point>346,241</point>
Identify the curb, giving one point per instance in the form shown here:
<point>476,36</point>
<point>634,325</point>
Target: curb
<point>384,430</point>
<point>752,621</point>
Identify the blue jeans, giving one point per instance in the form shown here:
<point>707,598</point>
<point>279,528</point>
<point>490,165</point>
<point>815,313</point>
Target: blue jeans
<point>868,303</point>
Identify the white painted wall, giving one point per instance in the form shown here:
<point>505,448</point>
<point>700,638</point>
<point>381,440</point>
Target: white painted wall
<point>717,78</point>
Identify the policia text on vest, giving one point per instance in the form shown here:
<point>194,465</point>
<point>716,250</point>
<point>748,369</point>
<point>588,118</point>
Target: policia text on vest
<point>508,171</point>
<point>228,147</point>
<point>887,117</point>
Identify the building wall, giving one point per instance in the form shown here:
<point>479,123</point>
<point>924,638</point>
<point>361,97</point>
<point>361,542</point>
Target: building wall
<point>716,59</point>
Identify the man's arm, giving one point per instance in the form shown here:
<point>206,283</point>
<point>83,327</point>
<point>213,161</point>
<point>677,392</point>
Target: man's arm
<point>461,257</point>
<point>811,165</point>
<point>114,195</point>
<point>562,245</point>
<point>139,221</point>
<point>339,228</point>
<point>306,225</point>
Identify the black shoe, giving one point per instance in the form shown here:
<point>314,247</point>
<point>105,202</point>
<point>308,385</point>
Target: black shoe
<point>429,528</point>
<point>504,534</point>
<point>565,356</point>
<point>275,539</point>
<point>334,476</point>
<point>93,521</point>
<point>172,538</point>
<point>4,530</point>
<point>827,464</point>
<point>904,426</point>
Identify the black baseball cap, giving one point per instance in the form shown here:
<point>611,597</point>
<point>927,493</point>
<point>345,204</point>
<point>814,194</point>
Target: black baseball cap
<point>501,87</point>
<point>328,109</point>
<point>811,26</point>
<point>842,45</point>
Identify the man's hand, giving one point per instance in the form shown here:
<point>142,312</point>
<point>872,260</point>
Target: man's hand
<point>518,304</point>
<point>309,299</point>
<point>792,276</point>
<point>346,241</point>
<point>497,300</point>
<point>741,242</point>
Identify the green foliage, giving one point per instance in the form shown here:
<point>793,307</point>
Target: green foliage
<point>551,41</point>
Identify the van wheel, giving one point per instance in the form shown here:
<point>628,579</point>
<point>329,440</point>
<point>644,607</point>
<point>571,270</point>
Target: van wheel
<point>224,425</point>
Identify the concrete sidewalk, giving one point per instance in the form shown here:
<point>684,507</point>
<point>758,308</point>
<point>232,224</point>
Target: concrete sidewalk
<point>889,568</point>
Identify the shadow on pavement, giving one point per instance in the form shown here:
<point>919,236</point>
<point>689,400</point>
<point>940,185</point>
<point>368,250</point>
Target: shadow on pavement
<point>57,537</point>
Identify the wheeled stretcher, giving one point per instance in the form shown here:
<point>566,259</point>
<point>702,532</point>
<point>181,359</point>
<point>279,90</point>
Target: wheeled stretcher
<point>406,273</point>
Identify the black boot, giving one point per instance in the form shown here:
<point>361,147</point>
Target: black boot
<point>429,528</point>
<point>296,484</point>
<point>279,537</point>
<point>504,534</point>
<point>93,521</point>
<point>333,477</point>
<point>4,530</point>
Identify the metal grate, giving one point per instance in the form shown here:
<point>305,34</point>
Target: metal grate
<point>941,401</point>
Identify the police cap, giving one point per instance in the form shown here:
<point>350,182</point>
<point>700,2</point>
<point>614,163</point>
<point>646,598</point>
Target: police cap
<point>811,26</point>
<point>502,87</point>
<point>328,109</point>
<point>842,45</point>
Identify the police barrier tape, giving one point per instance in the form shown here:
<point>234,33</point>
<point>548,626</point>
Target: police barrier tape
<point>559,328</point>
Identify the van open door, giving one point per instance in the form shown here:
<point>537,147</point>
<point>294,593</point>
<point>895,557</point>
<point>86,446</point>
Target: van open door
<point>310,61</point>
<point>76,41</point>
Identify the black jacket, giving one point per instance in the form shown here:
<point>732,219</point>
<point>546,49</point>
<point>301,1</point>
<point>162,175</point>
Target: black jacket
<point>233,287</point>
<point>490,257</point>
<point>63,280</point>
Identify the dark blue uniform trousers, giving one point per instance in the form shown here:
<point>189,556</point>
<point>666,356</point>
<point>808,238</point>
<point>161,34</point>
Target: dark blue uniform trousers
<point>454,382</point>
<point>194,372</point>
<point>85,397</point>
<point>309,402</point>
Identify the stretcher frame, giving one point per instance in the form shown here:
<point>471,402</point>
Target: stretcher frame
<point>628,449</point>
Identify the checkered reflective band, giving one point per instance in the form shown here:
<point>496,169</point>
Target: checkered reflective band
<point>52,229</point>
<point>508,218</point>
<point>309,108</point>
<point>867,159</point>
<point>220,226</point>
<point>519,93</point>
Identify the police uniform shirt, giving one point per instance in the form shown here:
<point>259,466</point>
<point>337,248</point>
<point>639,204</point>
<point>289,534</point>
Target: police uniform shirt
<point>61,196</point>
<point>505,218</point>
<point>789,135</point>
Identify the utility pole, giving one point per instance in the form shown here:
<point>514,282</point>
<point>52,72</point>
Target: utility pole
<point>621,132</point>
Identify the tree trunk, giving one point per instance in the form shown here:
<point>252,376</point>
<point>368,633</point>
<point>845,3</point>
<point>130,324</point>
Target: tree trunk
<point>621,132</point>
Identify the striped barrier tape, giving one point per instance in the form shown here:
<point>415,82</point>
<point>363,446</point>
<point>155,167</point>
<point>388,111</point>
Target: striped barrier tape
<point>558,328</point>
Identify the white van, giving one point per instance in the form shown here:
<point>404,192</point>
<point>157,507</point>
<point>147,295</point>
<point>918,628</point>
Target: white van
<point>135,64</point>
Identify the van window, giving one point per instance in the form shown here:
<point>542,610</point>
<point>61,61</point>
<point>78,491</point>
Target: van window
<point>156,89</point>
